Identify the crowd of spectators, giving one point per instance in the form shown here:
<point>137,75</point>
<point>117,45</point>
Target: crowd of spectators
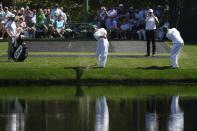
<point>120,22</point>
<point>35,22</point>
<point>129,23</point>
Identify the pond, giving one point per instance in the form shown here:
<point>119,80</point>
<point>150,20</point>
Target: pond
<point>100,113</point>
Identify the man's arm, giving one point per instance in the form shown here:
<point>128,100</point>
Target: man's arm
<point>156,19</point>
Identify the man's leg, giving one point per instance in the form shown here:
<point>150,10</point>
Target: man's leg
<point>148,42</point>
<point>153,33</point>
<point>98,52</point>
<point>10,40</point>
<point>175,52</point>
<point>104,53</point>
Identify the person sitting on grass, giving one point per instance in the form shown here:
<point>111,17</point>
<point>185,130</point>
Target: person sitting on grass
<point>174,35</point>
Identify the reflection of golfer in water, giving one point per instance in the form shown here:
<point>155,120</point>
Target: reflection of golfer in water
<point>176,119</point>
<point>16,116</point>
<point>102,115</point>
<point>151,116</point>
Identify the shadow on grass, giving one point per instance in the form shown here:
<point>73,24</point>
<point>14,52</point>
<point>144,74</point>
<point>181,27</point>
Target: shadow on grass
<point>155,67</point>
<point>79,72</point>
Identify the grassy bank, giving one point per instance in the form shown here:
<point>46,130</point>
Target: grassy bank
<point>118,69</point>
<point>62,92</point>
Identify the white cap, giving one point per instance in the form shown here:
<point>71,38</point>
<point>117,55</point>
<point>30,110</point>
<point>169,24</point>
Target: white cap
<point>150,10</point>
<point>94,26</point>
<point>120,5</point>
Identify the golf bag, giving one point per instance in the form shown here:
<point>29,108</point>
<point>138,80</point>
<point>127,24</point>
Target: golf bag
<point>19,50</point>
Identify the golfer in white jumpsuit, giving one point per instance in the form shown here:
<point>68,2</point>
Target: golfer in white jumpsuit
<point>102,46</point>
<point>13,33</point>
<point>174,35</point>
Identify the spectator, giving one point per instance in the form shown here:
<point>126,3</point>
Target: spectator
<point>28,15</point>
<point>112,12</point>
<point>123,13</point>
<point>102,17</point>
<point>2,15</point>
<point>41,29</point>
<point>64,17</point>
<point>112,27</point>
<point>21,12</point>
<point>49,24</point>
<point>151,22</point>
<point>32,26</point>
<point>6,14</point>
<point>124,28</point>
<point>59,26</point>
<point>22,24</point>
<point>141,32</point>
<point>55,12</point>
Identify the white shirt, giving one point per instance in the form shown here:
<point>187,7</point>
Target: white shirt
<point>55,12</point>
<point>174,35</point>
<point>112,13</point>
<point>11,28</point>
<point>100,32</point>
<point>150,23</point>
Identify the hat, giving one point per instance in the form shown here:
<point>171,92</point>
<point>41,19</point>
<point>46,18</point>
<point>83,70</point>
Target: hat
<point>94,26</point>
<point>165,28</point>
<point>56,4</point>
<point>120,5</point>
<point>150,10</point>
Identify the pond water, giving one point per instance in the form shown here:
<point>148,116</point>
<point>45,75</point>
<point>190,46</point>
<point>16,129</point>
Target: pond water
<point>145,113</point>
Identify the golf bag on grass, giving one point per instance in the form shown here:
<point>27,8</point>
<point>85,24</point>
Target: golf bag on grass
<point>19,50</point>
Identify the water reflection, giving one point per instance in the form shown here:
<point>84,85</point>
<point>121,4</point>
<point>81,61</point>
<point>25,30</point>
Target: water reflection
<point>16,116</point>
<point>85,114</point>
<point>151,115</point>
<point>176,119</point>
<point>102,115</point>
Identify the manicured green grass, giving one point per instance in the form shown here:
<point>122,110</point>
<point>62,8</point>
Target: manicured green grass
<point>117,68</point>
<point>62,92</point>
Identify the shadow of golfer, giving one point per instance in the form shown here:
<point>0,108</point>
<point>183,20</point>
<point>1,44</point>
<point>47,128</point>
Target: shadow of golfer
<point>79,72</point>
<point>155,67</point>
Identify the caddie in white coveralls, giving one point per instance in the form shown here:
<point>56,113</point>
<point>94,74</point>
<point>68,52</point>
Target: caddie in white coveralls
<point>13,32</point>
<point>102,46</point>
<point>174,35</point>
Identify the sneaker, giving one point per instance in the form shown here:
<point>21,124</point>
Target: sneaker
<point>1,38</point>
<point>153,55</point>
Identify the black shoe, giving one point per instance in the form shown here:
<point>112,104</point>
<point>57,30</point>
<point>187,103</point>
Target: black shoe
<point>147,55</point>
<point>174,67</point>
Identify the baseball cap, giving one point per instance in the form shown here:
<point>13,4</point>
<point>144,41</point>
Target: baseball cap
<point>94,26</point>
<point>150,10</point>
<point>120,5</point>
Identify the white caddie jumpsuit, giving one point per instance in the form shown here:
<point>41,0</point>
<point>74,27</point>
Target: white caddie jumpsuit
<point>176,118</point>
<point>174,35</point>
<point>102,47</point>
<point>13,32</point>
